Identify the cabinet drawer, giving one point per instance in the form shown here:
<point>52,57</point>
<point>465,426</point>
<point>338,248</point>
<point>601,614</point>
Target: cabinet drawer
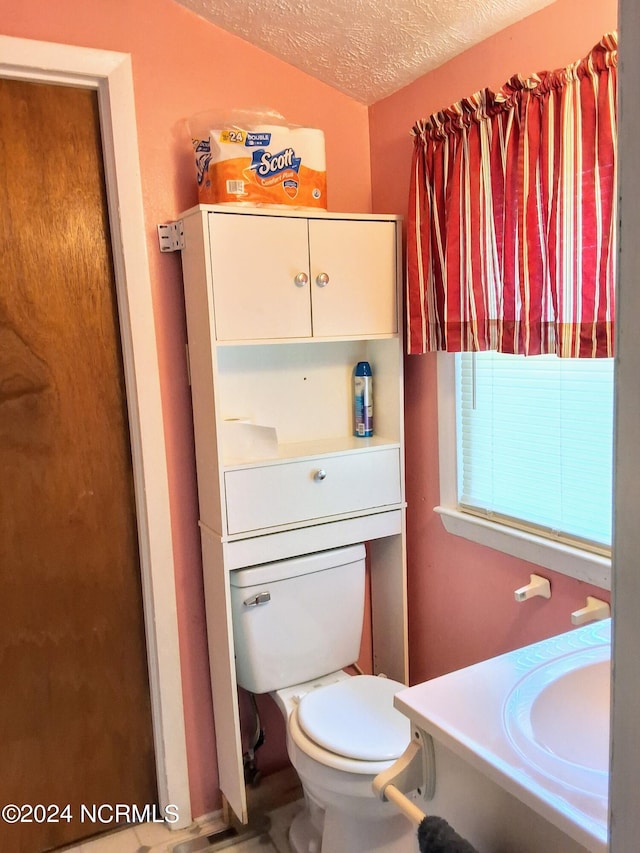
<point>292,492</point>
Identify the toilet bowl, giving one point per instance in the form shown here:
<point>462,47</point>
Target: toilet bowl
<point>341,732</point>
<point>296,624</point>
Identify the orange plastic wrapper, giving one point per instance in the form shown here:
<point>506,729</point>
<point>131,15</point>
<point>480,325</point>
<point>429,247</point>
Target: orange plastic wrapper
<point>253,157</point>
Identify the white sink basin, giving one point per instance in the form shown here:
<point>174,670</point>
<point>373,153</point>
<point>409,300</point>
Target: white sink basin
<point>557,717</point>
<point>586,741</point>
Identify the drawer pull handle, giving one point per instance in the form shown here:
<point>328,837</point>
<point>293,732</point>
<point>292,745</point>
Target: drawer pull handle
<point>320,475</point>
<point>260,598</point>
<point>322,280</point>
<point>301,279</point>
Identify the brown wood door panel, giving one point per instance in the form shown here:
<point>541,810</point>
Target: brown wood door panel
<point>75,720</point>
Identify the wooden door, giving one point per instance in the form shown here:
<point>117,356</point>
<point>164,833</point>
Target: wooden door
<point>75,722</point>
<point>359,258</point>
<point>256,262</point>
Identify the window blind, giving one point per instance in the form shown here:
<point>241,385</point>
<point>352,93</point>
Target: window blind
<point>535,442</point>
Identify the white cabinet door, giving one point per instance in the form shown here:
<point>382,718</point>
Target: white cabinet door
<point>353,271</point>
<point>260,270</point>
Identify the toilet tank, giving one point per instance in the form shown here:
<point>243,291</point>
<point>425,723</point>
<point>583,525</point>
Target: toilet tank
<point>297,619</point>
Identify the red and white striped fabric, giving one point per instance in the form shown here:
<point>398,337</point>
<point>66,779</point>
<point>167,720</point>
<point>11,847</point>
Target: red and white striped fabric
<point>512,216</point>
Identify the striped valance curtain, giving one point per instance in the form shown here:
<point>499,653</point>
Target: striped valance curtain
<point>512,216</point>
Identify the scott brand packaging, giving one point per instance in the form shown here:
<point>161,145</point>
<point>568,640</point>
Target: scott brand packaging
<point>255,158</point>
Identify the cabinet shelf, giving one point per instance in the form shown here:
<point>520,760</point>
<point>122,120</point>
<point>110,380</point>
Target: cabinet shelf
<point>305,450</point>
<point>316,340</point>
<point>304,390</point>
<point>312,525</point>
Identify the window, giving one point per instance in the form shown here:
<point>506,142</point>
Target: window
<point>526,457</point>
<point>536,441</point>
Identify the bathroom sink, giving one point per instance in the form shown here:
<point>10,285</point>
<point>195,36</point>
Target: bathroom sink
<point>531,724</point>
<point>583,695</point>
<point>557,717</point>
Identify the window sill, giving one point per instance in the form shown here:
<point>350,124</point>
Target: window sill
<point>556,556</point>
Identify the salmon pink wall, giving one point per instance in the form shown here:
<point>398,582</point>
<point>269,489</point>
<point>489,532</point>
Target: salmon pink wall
<point>461,606</point>
<point>183,65</point>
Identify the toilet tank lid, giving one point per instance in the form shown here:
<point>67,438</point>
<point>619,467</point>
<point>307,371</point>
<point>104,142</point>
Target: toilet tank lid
<point>296,566</point>
<point>356,718</point>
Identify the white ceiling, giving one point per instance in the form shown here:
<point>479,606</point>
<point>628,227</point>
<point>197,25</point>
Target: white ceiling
<point>367,49</point>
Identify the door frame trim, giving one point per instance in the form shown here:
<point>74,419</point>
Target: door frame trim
<point>110,74</point>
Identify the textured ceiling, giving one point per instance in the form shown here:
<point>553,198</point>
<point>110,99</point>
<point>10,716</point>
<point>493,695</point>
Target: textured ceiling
<point>367,49</point>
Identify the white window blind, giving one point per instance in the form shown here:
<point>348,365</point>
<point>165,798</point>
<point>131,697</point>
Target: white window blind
<point>535,442</point>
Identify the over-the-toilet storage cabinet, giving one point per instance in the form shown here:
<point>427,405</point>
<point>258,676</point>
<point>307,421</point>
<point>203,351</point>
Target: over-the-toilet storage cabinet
<point>281,305</point>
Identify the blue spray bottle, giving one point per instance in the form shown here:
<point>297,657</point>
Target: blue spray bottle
<point>363,400</point>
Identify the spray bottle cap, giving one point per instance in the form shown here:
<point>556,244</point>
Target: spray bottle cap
<point>363,368</point>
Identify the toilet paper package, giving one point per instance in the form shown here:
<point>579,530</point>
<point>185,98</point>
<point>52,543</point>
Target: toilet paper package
<point>254,157</point>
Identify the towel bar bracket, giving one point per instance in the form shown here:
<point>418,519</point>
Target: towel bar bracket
<point>415,770</point>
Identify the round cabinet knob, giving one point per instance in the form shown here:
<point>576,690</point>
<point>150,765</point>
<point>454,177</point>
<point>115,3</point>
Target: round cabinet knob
<point>301,279</point>
<point>320,475</point>
<point>322,279</point>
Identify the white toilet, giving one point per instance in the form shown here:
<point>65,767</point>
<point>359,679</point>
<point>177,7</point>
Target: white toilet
<point>296,624</point>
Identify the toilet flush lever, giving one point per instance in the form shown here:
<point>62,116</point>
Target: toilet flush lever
<point>260,598</point>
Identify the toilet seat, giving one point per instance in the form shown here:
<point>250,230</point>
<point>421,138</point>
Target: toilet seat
<point>352,724</point>
<point>330,759</point>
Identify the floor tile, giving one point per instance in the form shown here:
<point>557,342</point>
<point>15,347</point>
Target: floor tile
<point>254,845</point>
<point>281,819</point>
<point>152,834</point>
<point>121,841</point>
